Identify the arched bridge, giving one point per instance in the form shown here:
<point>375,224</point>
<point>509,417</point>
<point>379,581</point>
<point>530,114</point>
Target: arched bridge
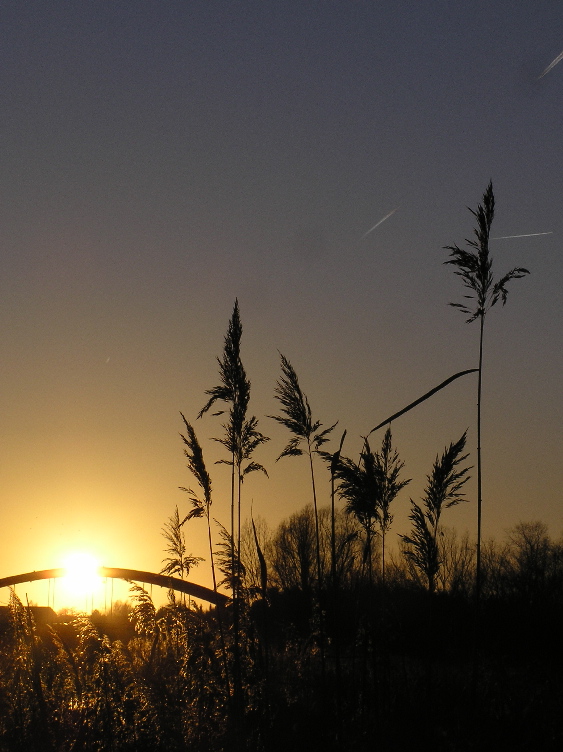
<point>171,583</point>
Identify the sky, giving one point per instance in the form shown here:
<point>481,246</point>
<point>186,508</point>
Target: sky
<point>160,159</point>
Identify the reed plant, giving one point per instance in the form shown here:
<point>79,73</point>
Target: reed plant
<point>369,487</point>
<point>241,438</point>
<point>179,562</point>
<point>475,268</point>
<point>201,507</point>
<point>444,489</point>
<point>201,504</point>
<point>297,417</point>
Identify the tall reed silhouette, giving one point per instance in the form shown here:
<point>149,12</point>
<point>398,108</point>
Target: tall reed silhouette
<point>333,460</point>
<point>298,419</point>
<point>444,489</point>
<point>241,433</point>
<point>369,487</point>
<point>241,439</point>
<point>389,467</point>
<point>474,266</point>
<point>179,562</point>
<point>201,507</point>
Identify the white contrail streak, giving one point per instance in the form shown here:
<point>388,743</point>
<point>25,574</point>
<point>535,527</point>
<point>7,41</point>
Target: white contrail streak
<point>558,59</point>
<point>530,235</point>
<point>380,222</point>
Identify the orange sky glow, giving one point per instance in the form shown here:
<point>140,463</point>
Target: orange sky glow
<point>160,162</point>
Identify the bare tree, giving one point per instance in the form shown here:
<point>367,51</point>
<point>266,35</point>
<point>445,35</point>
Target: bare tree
<point>292,551</point>
<point>530,553</point>
<point>457,555</point>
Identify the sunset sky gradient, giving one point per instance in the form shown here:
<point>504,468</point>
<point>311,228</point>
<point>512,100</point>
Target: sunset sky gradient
<point>160,159</point>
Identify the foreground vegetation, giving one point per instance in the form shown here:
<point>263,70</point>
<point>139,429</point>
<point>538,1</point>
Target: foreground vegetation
<point>366,666</point>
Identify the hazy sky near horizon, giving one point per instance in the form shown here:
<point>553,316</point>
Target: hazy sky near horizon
<point>160,159</point>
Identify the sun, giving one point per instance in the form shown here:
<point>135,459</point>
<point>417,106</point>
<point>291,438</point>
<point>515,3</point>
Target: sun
<point>82,580</point>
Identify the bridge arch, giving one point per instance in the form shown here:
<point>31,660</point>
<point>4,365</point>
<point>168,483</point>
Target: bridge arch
<point>137,575</point>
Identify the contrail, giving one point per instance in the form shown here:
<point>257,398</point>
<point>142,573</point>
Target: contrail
<point>530,235</point>
<point>558,59</point>
<point>380,222</point>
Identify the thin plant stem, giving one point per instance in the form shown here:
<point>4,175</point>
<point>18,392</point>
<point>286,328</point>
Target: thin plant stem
<point>479,496</point>
<point>317,533</point>
<point>474,267</point>
<point>318,553</point>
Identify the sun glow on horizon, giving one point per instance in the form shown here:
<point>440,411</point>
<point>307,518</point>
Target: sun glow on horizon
<point>82,580</point>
